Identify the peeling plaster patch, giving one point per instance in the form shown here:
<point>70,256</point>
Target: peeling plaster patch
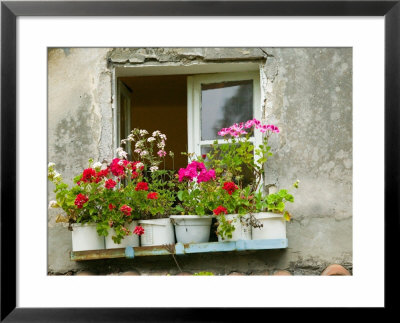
<point>271,68</point>
<point>263,85</point>
<point>74,138</point>
<point>183,55</point>
<point>104,102</point>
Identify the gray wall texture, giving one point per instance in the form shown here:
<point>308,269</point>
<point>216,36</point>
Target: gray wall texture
<point>308,94</point>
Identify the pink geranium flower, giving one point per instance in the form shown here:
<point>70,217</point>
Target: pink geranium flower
<point>196,170</point>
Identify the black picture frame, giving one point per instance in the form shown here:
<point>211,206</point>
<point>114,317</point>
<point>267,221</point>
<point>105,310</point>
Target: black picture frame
<point>10,10</point>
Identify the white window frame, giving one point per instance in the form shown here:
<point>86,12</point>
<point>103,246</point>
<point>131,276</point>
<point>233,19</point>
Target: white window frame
<point>151,69</point>
<point>122,90</point>
<point>194,106</point>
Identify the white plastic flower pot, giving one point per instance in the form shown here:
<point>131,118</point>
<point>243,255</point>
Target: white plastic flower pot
<point>192,228</point>
<point>128,241</point>
<point>274,226</point>
<point>157,232</point>
<point>242,231</point>
<point>85,237</point>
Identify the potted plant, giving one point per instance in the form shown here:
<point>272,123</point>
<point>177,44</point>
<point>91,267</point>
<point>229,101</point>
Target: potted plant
<point>150,188</point>
<point>120,221</point>
<point>87,207</point>
<point>80,211</point>
<point>233,212</point>
<point>197,198</point>
<point>239,206</point>
<point>272,214</point>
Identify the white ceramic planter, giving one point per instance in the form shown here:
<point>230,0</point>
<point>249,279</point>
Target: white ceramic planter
<point>242,231</point>
<point>85,237</point>
<point>192,228</point>
<point>157,232</point>
<point>128,241</point>
<point>274,226</point>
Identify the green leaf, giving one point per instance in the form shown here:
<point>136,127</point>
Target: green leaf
<point>282,193</point>
<point>287,216</point>
<point>200,210</point>
<point>280,206</point>
<point>179,208</point>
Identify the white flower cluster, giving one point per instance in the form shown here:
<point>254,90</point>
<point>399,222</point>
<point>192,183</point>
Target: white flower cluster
<point>161,144</point>
<point>150,139</point>
<point>143,132</point>
<point>139,165</point>
<point>121,153</point>
<point>153,168</point>
<point>97,165</point>
<point>139,144</point>
<point>53,174</point>
<point>144,153</point>
<point>159,134</point>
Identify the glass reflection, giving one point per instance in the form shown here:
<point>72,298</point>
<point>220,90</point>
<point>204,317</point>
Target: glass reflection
<point>223,104</point>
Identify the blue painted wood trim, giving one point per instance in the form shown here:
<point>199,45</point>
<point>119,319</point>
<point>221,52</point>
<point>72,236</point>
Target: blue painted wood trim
<point>129,253</point>
<point>239,245</point>
<point>181,249</point>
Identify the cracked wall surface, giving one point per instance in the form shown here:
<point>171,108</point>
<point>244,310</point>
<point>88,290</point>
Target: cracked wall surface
<point>308,94</point>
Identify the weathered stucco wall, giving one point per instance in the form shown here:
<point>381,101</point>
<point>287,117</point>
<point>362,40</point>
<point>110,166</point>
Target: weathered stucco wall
<point>308,95</point>
<point>79,128</point>
<point>311,102</point>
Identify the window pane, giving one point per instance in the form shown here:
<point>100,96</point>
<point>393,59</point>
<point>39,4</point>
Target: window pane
<point>223,104</point>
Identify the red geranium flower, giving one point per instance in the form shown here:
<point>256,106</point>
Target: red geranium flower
<point>117,166</point>
<point>138,230</point>
<point>134,174</point>
<point>142,186</point>
<point>88,175</point>
<point>126,209</point>
<point>220,209</point>
<point>110,184</point>
<point>102,173</point>
<point>152,196</point>
<point>230,187</point>
<point>111,207</point>
<point>80,200</point>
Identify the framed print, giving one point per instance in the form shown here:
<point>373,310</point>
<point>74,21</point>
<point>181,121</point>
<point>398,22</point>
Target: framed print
<point>108,94</point>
